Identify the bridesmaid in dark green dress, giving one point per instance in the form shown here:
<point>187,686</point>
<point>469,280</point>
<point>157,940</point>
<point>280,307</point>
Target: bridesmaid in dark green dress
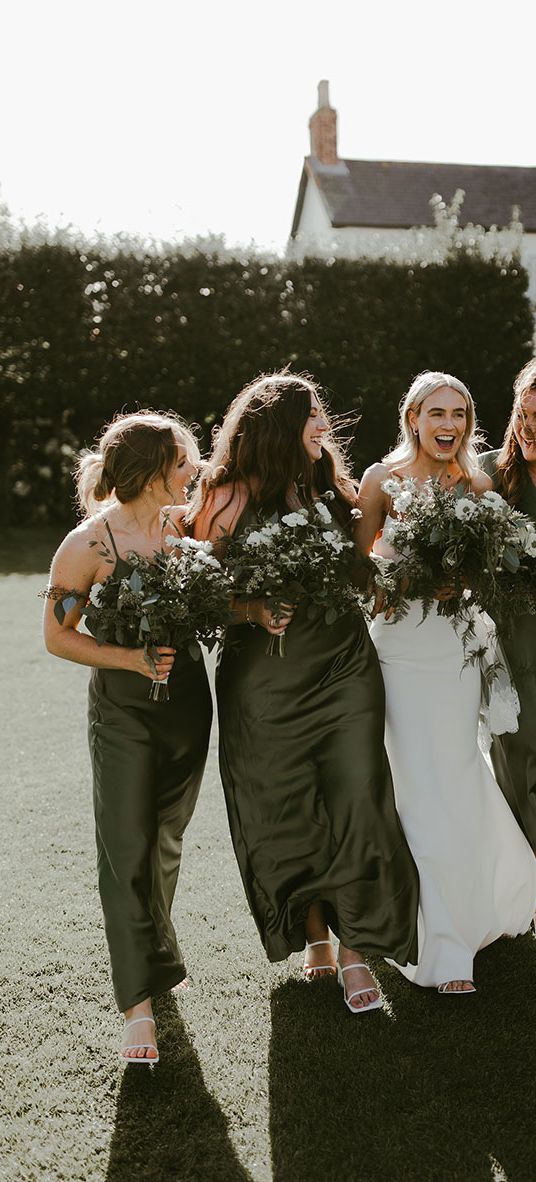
<point>306,779</point>
<point>147,757</point>
<point>513,470</point>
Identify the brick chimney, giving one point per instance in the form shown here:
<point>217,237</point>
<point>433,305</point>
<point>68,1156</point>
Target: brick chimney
<point>323,128</point>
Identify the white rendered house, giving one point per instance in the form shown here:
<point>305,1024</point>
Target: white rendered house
<point>354,208</point>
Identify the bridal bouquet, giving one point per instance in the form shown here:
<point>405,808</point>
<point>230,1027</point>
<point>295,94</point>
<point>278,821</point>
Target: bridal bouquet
<point>478,547</point>
<point>302,556</point>
<point>178,599</point>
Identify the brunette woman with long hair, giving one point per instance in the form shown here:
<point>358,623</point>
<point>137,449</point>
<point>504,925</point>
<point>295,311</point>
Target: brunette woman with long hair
<point>147,757</point>
<point>513,470</point>
<point>306,779</point>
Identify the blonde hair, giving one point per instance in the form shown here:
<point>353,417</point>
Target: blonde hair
<point>510,462</point>
<point>407,444</point>
<point>132,450</point>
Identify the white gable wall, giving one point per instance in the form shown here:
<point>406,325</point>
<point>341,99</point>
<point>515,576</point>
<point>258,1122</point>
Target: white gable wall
<point>316,235</point>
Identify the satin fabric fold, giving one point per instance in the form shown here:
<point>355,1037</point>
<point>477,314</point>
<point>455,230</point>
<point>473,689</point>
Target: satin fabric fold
<point>308,788</point>
<point>148,760</point>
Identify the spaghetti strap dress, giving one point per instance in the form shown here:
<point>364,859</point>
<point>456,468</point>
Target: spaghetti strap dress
<point>148,760</point>
<point>308,787</point>
<point>514,756</point>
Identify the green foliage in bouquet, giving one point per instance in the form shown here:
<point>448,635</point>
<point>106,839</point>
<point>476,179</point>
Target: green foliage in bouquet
<point>178,598</point>
<point>477,547</point>
<point>302,556</point>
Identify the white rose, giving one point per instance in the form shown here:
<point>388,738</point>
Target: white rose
<point>402,501</point>
<point>465,509</point>
<point>391,487</point>
<point>494,500</point>
<point>323,512</point>
<point>94,593</point>
<point>254,538</point>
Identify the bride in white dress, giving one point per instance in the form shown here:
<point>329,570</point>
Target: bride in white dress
<point>477,871</point>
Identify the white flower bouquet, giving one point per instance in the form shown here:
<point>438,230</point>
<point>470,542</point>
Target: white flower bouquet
<point>477,547</point>
<point>178,599</point>
<point>302,556</point>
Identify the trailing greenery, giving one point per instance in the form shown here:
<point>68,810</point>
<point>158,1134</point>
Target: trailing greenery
<point>84,335</point>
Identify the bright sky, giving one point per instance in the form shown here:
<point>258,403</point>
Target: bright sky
<point>184,117</point>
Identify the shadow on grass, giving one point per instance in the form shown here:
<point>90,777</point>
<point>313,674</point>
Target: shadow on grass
<point>168,1128</point>
<point>440,1091</point>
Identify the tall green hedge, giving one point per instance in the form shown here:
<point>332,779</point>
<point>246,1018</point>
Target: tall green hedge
<point>83,336</point>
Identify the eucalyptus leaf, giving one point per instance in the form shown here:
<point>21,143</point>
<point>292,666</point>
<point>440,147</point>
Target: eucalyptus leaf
<point>194,651</point>
<point>69,602</point>
<point>135,582</point>
<point>59,611</point>
<point>331,615</point>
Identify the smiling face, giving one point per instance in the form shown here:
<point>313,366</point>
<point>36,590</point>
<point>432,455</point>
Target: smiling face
<point>524,425</point>
<point>314,430</point>
<point>440,423</point>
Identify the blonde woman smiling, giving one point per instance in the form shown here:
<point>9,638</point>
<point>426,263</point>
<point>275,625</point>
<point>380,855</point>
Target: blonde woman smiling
<point>477,871</point>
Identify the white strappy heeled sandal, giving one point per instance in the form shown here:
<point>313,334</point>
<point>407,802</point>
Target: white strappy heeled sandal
<point>136,1046</point>
<point>310,969</point>
<point>444,988</point>
<point>371,1005</point>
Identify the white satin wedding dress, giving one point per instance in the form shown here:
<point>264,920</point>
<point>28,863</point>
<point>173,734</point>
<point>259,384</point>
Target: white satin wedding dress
<point>477,870</point>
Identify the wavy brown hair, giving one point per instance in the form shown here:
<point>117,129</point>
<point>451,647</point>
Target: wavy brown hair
<point>132,450</point>
<point>510,462</point>
<point>259,444</point>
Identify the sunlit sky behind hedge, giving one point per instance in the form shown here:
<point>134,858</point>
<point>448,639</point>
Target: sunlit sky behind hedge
<point>175,119</point>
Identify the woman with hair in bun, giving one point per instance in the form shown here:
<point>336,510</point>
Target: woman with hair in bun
<point>306,779</point>
<point>513,471</point>
<point>147,758</point>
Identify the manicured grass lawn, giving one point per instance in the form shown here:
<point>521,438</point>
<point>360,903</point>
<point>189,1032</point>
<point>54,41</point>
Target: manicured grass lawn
<point>260,1076</point>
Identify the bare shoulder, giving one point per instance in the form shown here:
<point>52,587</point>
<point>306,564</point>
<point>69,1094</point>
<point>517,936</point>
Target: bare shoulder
<point>221,510</point>
<point>481,482</point>
<point>372,480</point>
<point>76,557</point>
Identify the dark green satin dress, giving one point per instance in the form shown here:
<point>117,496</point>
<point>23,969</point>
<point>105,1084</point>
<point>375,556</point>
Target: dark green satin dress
<point>308,787</point>
<point>148,760</point>
<point>514,756</point>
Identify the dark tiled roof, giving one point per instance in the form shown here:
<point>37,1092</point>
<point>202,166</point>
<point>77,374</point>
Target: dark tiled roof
<point>397,193</point>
